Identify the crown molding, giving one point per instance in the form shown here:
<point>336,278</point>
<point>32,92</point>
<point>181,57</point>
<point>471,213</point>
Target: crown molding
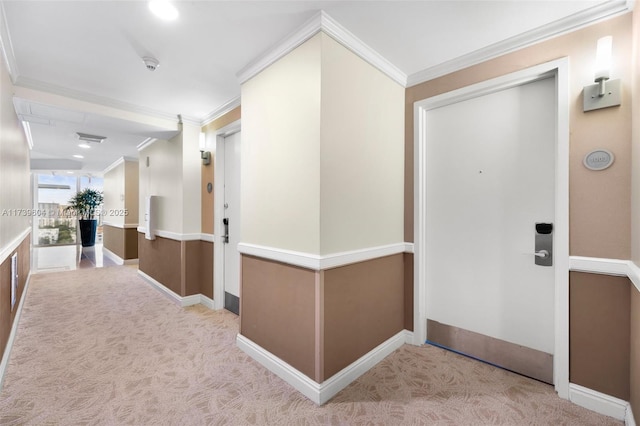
<point>7,46</point>
<point>545,32</point>
<point>146,143</point>
<point>220,111</point>
<point>116,163</point>
<point>322,22</point>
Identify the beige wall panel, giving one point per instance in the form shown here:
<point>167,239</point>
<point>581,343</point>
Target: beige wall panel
<point>130,244</point>
<point>163,177</point>
<point>7,317</point>
<point>113,239</point>
<point>280,152</point>
<point>114,195</point>
<point>599,330</point>
<point>161,260</point>
<point>596,198</point>
<point>15,188</point>
<point>361,154</point>
<point>131,191</point>
<point>363,307</point>
<point>634,355</point>
<point>191,180</point>
<point>278,311</point>
<point>206,269</point>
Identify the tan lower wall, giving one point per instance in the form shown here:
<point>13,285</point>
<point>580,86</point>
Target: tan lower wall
<point>277,306</point>
<point>363,307</point>
<point>113,240</point>
<point>408,291</point>
<point>599,330</point>
<point>123,242</point>
<point>206,269</point>
<point>130,243</point>
<point>635,353</point>
<point>161,260</point>
<point>7,316</point>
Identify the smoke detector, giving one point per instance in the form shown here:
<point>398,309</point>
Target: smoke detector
<point>150,63</point>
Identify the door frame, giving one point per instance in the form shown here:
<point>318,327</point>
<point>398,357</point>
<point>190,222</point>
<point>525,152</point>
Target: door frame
<point>218,213</point>
<point>560,70</point>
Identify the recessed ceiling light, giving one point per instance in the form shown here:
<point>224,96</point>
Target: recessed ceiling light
<point>163,9</point>
<point>78,156</point>
<point>84,145</point>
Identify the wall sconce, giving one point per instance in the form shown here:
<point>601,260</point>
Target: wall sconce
<point>605,93</point>
<point>204,154</point>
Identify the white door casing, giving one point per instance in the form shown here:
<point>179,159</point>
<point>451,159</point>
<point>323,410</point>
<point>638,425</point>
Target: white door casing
<point>558,69</point>
<point>221,250</point>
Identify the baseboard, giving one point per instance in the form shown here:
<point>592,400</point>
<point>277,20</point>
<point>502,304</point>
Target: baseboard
<point>598,402</point>
<point>173,296</point>
<point>408,337</point>
<point>12,335</point>
<point>185,301</point>
<point>204,300</point>
<point>111,255</point>
<point>321,392</point>
<point>629,420</point>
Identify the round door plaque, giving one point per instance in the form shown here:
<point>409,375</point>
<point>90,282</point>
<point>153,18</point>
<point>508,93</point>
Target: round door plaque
<point>598,159</point>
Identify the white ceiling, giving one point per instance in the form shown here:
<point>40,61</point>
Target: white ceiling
<point>92,50</point>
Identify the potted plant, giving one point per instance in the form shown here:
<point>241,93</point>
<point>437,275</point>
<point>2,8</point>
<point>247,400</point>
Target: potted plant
<point>84,206</point>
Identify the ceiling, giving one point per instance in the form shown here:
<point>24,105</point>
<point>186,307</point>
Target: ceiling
<point>92,51</point>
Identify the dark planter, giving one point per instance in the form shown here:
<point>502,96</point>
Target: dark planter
<point>88,232</point>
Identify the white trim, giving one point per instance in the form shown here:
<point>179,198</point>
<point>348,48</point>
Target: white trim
<point>322,22</point>
<point>116,163</point>
<point>208,237</point>
<point>616,267</point>
<point>320,262</point>
<point>12,335</point>
<point>121,225</point>
<point>204,300</point>
<point>629,420</point>
<point>218,209</point>
<point>193,299</point>
<point>220,111</point>
<point>408,247</point>
<point>408,337</point>
<point>146,143</point>
<point>7,46</point>
<point>320,393</point>
<point>561,328</point>
<point>114,257</point>
<point>598,402</point>
<point>172,235</point>
<point>520,41</point>
<point>6,251</point>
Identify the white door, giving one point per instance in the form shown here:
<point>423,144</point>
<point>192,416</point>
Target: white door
<point>490,172</point>
<point>232,222</point>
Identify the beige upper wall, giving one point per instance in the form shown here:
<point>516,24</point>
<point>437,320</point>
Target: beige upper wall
<point>114,192</point>
<point>131,191</point>
<point>281,151</point>
<point>362,153</point>
<point>191,163</point>
<point>163,178</point>
<point>15,189</point>
<point>322,153</point>
<point>600,202</point>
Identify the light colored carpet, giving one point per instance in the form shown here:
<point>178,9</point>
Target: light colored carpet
<point>103,347</point>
